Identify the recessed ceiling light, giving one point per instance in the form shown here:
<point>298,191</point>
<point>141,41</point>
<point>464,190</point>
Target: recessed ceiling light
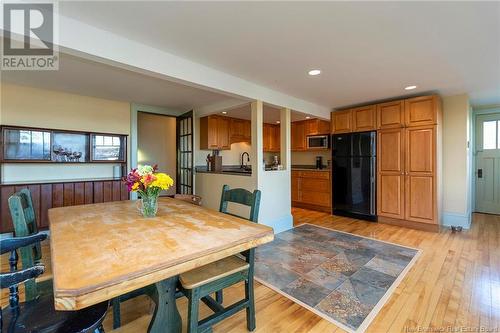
<point>224,112</point>
<point>410,87</point>
<point>314,72</point>
<point>308,117</point>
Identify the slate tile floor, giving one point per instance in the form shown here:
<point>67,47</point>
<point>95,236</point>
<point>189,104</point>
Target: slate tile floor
<point>340,275</point>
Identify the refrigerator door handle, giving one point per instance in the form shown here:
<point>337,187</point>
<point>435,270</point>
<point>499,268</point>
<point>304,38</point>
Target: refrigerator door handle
<point>372,186</point>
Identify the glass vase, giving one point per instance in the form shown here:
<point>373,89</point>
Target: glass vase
<point>149,205</point>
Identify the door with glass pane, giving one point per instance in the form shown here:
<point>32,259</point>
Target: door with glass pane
<point>185,153</point>
<point>488,163</point>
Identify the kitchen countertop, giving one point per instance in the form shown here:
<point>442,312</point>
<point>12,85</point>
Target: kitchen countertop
<point>226,170</point>
<point>309,168</point>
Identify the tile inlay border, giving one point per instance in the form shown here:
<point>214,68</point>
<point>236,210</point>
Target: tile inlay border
<point>342,277</point>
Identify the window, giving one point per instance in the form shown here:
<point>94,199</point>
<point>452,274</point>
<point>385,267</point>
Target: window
<point>491,140</point>
<point>26,145</point>
<point>107,148</point>
<point>498,134</point>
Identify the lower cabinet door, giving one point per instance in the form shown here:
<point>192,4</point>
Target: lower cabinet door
<point>315,198</point>
<point>390,196</point>
<point>420,199</point>
<point>295,188</point>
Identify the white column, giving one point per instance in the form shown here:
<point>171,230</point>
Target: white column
<point>257,108</point>
<point>285,127</point>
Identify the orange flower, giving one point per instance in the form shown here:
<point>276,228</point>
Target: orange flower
<point>148,179</point>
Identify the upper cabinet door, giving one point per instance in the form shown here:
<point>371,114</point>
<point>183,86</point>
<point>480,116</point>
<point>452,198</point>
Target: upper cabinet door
<point>298,135</point>
<point>223,133</point>
<point>390,115</point>
<point>317,126</point>
<point>363,118</point>
<point>341,122</point>
<point>422,110</point>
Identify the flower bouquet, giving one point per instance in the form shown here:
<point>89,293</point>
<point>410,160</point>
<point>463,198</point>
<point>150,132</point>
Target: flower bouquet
<point>148,183</point>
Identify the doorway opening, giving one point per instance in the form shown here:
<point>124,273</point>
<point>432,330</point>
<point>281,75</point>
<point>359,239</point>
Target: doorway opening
<point>156,144</point>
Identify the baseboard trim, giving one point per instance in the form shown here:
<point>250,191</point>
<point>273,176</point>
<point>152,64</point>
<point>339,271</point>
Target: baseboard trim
<point>312,207</point>
<point>456,219</point>
<point>281,224</point>
<point>409,224</point>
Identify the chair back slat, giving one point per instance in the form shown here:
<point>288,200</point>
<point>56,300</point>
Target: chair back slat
<point>24,221</point>
<point>242,197</point>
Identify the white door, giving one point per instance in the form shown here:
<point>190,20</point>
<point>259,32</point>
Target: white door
<point>488,163</point>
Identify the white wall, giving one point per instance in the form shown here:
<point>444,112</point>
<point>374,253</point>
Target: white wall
<point>209,187</point>
<point>32,107</point>
<point>156,137</point>
<point>456,161</point>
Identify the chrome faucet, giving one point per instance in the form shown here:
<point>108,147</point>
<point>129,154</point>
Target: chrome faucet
<point>248,160</point>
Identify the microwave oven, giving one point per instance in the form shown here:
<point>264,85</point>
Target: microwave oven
<point>318,142</point>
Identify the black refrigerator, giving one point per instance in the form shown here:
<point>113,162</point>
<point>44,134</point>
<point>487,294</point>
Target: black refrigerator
<point>354,175</point>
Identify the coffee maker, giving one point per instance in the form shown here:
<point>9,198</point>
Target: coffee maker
<point>319,162</point>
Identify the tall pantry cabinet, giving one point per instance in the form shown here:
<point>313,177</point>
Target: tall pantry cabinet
<point>408,169</point>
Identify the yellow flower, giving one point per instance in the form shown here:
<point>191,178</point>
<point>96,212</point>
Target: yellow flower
<point>163,181</point>
<point>135,186</point>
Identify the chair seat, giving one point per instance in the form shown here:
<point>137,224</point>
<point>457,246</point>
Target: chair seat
<point>40,316</point>
<point>212,272</point>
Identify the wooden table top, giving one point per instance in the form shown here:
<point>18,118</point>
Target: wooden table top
<point>101,251</point>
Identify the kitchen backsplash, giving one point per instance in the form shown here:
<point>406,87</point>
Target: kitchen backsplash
<point>309,157</point>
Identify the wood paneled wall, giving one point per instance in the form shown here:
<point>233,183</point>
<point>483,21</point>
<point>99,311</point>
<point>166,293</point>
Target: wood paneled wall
<point>49,195</point>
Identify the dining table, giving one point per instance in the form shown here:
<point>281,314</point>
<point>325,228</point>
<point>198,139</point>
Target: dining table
<point>101,251</point>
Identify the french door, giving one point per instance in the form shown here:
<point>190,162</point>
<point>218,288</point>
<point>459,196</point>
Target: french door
<point>488,163</point>
<point>185,153</point>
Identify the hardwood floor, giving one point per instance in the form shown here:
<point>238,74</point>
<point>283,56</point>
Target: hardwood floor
<point>454,283</point>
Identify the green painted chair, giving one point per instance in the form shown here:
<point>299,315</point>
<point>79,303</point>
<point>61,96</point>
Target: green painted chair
<point>197,285</point>
<point>24,221</point>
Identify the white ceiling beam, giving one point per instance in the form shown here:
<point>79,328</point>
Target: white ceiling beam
<point>86,41</point>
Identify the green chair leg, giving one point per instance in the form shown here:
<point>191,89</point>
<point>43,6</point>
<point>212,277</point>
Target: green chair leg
<point>193,308</point>
<point>116,313</point>
<point>249,295</point>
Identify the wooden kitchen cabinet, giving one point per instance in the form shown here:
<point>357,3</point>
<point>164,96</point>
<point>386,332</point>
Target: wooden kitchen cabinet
<point>407,178</point>
<point>298,136</point>
<point>215,133</point>
<point>423,110</point>
<point>341,121</point>
<point>240,130</point>
<point>391,173</point>
<point>316,127</point>
<point>271,137</point>
<point>390,115</point>
<point>295,186</point>
<point>408,158</point>
<point>364,118</point>
<point>311,190</point>
<point>223,133</point>
<point>421,197</point>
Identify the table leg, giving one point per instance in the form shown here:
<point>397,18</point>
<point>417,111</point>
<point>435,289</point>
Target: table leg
<point>166,317</point>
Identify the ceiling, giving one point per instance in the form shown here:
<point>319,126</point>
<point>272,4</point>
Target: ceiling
<point>366,50</point>
<point>85,77</point>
